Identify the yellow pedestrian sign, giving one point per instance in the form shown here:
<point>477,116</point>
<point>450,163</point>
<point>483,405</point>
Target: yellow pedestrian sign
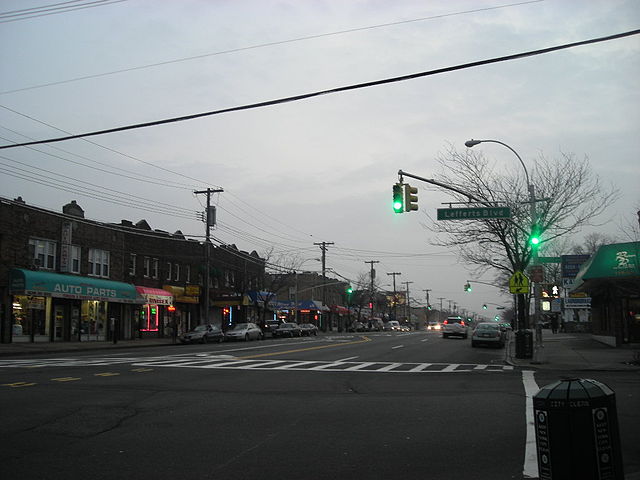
<point>519,283</point>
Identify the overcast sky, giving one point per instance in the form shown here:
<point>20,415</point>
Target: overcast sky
<point>319,169</point>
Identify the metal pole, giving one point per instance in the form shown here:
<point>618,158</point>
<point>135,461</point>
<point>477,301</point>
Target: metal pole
<point>394,292</point>
<point>323,247</point>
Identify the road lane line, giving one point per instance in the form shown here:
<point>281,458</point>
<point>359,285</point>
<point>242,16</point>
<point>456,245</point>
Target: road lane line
<point>388,367</point>
<point>397,346</point>
<point>450,368</point>
<point>480,367</point>
<point>420,367</point>
<point>294,365</point>
<point>530,468</point>
<point>65,379</point>
<point>328,365</point>
<point>346,359</point>
<point>262,364</point>
<point>364,340</point>
<point>359,367</point>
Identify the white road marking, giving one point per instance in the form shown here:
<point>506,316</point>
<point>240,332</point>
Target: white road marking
<point>360,366</point>
<point>345,359</point>
<point>397,346</point>
<point>530,469</point>
<point>420,367</point>
<point>451,368</point>
<point>389,367</point>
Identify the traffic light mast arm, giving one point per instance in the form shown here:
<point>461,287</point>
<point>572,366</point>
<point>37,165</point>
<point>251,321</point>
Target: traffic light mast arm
<point>461,192</point>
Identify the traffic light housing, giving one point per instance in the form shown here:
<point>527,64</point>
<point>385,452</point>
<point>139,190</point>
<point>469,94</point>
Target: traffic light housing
<point>410,198</point>
<point>484,307</point>
<point>398,198</point>
<point>467,287</point>
<point>429,307</point>
<point>349,290</point>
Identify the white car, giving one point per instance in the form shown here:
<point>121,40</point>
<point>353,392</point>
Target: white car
<point>244,331</point>
<point>392,326</point>
<point>434,326</point>
<point>454,326</point>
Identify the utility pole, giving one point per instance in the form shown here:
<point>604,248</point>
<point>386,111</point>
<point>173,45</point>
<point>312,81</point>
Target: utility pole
<point>210,221</point>
<point>426,291</point>
<point>395,300</point>
<point>323,247</point>
<point>407,305</point>
<point>440,311</point>
<point>373,276</point>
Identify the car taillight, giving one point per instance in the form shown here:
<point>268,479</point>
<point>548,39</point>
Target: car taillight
<point>462,323</point>
<point>446,322</point>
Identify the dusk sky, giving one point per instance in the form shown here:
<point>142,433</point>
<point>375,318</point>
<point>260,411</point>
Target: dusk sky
<point>319,169</point>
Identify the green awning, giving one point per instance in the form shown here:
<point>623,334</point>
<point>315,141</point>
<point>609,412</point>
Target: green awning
<point>48,284</point>
<point>618,261</point>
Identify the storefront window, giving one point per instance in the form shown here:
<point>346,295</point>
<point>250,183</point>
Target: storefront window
<point>93,321</point>
<point>149,318</point>
<point>28,317</point>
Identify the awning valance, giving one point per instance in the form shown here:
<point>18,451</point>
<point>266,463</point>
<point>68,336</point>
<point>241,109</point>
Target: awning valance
<point>180,294</point>
<point>155,296</point>
<point>57,285</point>
<point>618,261</point>
<point>229,301</point>
<point>339,310</point>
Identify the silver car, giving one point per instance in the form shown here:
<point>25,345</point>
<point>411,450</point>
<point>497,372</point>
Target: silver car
<point>454,326</point>
<point>488,333</point>
<point>244,331</point>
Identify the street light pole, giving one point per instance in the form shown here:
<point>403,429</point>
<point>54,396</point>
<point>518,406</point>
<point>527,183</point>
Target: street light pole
<point>534,252</point>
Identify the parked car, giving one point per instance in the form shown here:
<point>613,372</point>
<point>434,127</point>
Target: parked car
<point>488,334</point>
<point>287,329</point>
<point>244,331</point>
<point>392,326</point>
<point>375,325</point>
<point>308,329</point>
<point>405,327</point>
<point>202,334</point>
<point>454,326</point>
<point>506,326</point>
<point>357,327</point>
<point>433,325</point>
<point>269,327</point>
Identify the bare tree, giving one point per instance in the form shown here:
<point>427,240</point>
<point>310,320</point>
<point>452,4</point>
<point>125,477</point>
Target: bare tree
<point>569,196</point>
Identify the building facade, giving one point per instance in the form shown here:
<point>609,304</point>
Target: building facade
<point>66,278</point>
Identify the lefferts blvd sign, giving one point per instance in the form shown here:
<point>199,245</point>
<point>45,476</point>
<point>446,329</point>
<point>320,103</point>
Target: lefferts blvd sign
<point>476,213</point>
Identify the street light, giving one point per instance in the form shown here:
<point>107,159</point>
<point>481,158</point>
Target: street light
<point>534,250</point>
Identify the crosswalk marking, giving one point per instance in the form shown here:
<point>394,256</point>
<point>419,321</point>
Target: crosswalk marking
<point>195,361</point>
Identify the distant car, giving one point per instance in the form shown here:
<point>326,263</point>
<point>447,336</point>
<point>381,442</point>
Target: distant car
<point>392,326</point>
<point>244,331</point>
<point>308,329</point>
<point>357,327</point>
<point>202,334</point>
<point>405,327</point>
<point>487,333</point>
<point>375,325</point>
<point>287,329</point>
<point>434,326</point>
<point>454,326</point>
<point>506,326</point>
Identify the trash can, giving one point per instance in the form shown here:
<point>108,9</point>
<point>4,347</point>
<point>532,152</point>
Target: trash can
<point>524,344</point>
<point>577,434</point>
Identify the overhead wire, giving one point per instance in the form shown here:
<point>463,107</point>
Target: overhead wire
<point>43,12</point>
<point>268,44</point>
<point>306,96</point>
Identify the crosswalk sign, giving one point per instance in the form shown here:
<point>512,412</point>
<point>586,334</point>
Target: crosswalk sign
<point>519,283</point>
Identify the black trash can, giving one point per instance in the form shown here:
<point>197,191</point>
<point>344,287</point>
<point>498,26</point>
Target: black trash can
<point>577,434</point>
<point>524,344</point>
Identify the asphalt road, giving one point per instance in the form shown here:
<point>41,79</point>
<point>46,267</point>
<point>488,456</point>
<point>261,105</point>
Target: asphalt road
<point>410,405</point>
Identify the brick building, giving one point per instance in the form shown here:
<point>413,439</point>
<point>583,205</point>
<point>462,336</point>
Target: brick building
<point>66,278</point>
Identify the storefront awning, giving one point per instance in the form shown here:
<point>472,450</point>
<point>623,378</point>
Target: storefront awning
<point>230,301</point>
<point>180,295</point>
<point>312,305</point>
<point>49,284</point>
<point>339,310</point>
<point>618,261</point>
<point>155,296</point>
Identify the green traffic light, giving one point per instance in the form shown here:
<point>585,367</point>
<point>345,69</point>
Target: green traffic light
<point>398,200</point>
<point>349,290</point>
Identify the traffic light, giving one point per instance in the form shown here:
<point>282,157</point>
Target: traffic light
<point>398,198</point>
<point>410,198</point>
<point>349,290</point>
<point>429,307</point>
<point>484,307</point>
<point>534,238</point>
<point>467,287</point>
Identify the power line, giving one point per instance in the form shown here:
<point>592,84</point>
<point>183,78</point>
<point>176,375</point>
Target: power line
<point>306,96</point>
<point>43,12</point>
<point>269,44</point>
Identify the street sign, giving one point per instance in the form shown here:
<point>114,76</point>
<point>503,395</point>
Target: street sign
<point>549,260</point>
<point>571,264</point>
<point>577,302</point>
<point>476,213</point>
<point>537,273</point>
<point>519,283</point>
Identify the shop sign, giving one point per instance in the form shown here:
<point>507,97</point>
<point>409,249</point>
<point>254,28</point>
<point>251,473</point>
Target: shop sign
<point>577,302</point>
<point>192,290</point>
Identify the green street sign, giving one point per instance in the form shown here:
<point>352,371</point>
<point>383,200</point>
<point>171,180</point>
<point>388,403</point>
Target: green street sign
<point>549,259</point>
<point>476,213</point>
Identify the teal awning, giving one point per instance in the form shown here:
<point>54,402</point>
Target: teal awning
<point>48,284</point>
<point>618,261</point>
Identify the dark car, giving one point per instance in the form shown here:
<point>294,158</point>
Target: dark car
<point>357,327</point>
<point>288,329</point>
<point>203,334</point>
<point>308,329</point>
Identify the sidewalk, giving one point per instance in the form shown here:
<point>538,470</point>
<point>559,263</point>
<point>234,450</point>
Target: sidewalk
<point>578,352</point>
